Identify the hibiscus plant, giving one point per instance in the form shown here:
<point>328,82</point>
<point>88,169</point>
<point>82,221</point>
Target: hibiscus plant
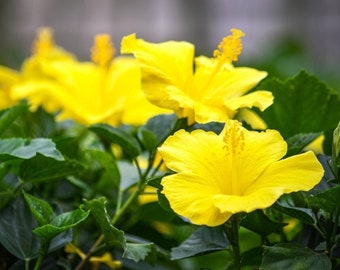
<point>160,159</point>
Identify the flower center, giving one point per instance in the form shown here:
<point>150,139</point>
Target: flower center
<point>102,51</point>
<point>44,41</point>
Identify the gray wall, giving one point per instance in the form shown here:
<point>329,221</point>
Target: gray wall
<point>315,23</point>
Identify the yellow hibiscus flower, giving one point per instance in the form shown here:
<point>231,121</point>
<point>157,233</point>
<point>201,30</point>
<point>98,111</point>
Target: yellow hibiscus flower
<point>105,90</point>
<point>213,91</point>
<point>236,171</point>
<point>32,81</point>
<point>8,77</point>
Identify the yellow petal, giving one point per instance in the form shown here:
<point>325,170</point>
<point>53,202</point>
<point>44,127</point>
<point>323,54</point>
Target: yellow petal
<point>190,196</point>
<point>300,172</point>
<point>296,173</point>
<point>227,83</point>
<point>202,149</point>
<point>251,118</point>
<point>166,64</point>
<point>259,99</point>
<point>8,77</point>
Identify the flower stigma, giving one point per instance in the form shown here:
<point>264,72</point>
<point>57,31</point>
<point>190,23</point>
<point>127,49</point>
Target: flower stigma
<point>229,48</point>
<point>44,41</point>
<point>102,51</point>
<point>234,141</point>
<point>233,138</point>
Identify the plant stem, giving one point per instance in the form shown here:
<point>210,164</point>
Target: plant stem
<point>232,230</point>
<point>43,250</point>
<point>116,217</point>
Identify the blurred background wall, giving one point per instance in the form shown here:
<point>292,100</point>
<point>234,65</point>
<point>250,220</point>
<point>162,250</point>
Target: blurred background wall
<point>283,35</point>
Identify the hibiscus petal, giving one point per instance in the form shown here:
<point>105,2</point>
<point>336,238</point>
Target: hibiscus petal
<point>260,99</point>
<point>163,64</point>
<point>189,196</point>
<point>195,151</point>
<point>300,172</point>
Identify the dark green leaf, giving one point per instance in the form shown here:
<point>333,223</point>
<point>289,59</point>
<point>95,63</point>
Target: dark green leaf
<point>302,104</point>
<point>8,116</point>
<point>27,148</point>
<point>336,150</point>
<point>298,142</point>
<point>40,209</point>
<point>128,143</point>
<point>163,201</point>
<point>61,223</point>
<point>156,181</point>
<point>110,176</point>
<point>128,174</point>
<point>148,138</point>
<point>161,126</point>
<point>5,197</point>
<point>258,222</point>
<point>203,240</point>
<point>292,257</point>
<point>137,252</point>
<point>112,235</point>
<point>41,168</point>
<point>304,214</point>
<point>16,224</point>
<point>327,200</point>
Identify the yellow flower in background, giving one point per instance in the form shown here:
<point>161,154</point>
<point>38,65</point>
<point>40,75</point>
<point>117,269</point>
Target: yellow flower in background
<point>8,77</point>
<point>95,261</point>
<point>106,90</point>
<point>235,171</point>
<point>44,52</point>
<point>212,90</point>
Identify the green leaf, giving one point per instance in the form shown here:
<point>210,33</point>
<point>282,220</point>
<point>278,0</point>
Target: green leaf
<point>156,181</point>
<point>302,104</point>
<point>138,252</point>
<point>27,148</point>
<point>128,143</point>
<point>16,224</point>
<point>148,138</point>
<point>8,116</point>
<point>327,200</point>
<point>336,150</point>
<point>128,174</point>
<point>298,142</point>
<point>304,214</point>
<point>40,168</point>
<point>161,126</point>
<point>203,240</point>
<point>110,176</point>
<point>258,222</point>
<point>112,235</point>
<point>40,209</point>
<point>61,223</point>
<point>289,256</point>
<point>5,197</point>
